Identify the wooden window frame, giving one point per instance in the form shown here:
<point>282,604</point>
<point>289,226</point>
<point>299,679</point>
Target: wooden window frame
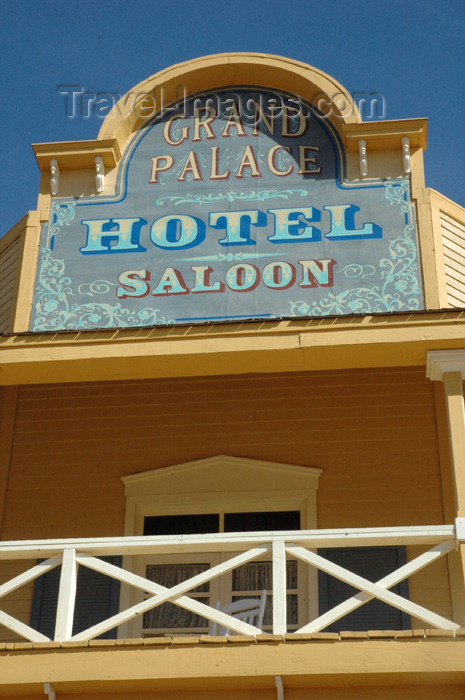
<point>211,486</point>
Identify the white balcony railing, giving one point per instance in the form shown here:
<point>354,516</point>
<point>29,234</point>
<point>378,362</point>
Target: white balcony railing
<point>279,546</point>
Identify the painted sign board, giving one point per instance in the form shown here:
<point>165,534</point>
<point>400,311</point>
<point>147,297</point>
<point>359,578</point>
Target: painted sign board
<point>231,205</point>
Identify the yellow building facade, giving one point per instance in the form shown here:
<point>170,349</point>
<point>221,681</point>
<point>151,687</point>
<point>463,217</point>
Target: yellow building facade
<point>192,417</point>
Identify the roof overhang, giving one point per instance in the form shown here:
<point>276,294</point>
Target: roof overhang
<point>385,340</point>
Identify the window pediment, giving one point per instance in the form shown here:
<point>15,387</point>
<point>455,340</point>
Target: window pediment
<point>227,486</point>
<point>222,473</point>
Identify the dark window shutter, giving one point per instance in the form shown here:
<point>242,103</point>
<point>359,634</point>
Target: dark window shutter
<point>97,597</point>
<point>373,563</point>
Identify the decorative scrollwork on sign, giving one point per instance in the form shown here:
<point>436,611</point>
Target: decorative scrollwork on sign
<point>95,287</point>
<point>230,197</point>
<point>399,274</point>
<point>54,309</point>
<point>284,160</point>
<point>356,270</point>
<point>60,215</point>
<point>397,193</point>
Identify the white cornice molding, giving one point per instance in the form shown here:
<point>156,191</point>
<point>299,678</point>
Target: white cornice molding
<point>440,361</point>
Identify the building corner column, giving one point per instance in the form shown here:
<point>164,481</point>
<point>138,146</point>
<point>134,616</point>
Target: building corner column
<point>448,367</point>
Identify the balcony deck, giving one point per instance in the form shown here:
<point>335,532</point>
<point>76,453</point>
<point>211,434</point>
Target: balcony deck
<point>360,665</point>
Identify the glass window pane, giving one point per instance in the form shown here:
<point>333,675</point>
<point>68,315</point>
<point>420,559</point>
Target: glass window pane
<point>168,615</point>
<point>257,575</point>
<point>182,524</point>
<point>292,617</point>
<point>254,576</point>
<point>262,522</point>
<point>169,575</point>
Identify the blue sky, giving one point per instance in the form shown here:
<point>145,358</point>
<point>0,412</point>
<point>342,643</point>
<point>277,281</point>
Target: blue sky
<point>413,53</point>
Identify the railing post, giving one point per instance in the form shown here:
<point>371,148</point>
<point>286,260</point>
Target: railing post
<point>66,596</point>
<point>279,587</point>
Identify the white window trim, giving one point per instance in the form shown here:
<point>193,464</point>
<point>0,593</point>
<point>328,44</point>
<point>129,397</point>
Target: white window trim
<point>222,484</point>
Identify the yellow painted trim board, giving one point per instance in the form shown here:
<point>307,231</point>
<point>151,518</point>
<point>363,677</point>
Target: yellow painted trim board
<point>75,155</point>
<point>448,206</point>
<point>428,239</point>
<point>386,135</point>
<point>453,389</point>
<point>454,559</point>
<point>25,275</point>
<point>317,344</point>
<point>439,255</point>
<point>186,665</point>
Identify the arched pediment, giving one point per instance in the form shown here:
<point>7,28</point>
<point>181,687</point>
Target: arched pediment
<point>223,70</point>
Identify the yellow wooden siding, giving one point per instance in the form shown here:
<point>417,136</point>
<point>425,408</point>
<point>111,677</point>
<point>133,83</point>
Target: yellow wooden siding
<point>453,240</point>
<point>372,432</point>
<point>8,272</point>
